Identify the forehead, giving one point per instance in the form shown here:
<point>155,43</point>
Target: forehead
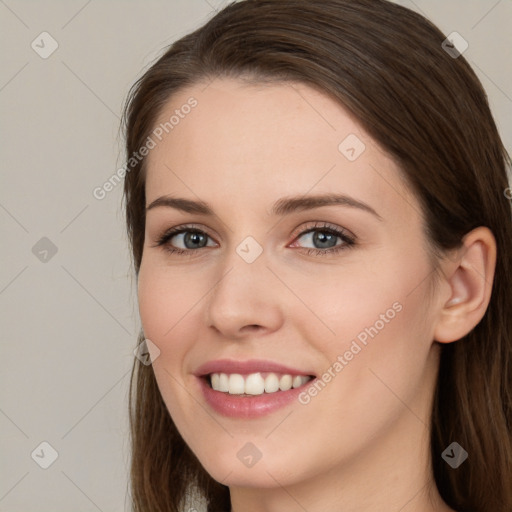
<point>261,140</point>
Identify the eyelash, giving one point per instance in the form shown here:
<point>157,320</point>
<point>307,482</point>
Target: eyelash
<point>349,241</point>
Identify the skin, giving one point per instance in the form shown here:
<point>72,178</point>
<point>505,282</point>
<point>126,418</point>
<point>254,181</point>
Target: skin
<point>361,444</point>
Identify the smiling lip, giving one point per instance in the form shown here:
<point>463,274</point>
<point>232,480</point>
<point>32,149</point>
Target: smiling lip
<point>246,367</point>
<point>244,406</point>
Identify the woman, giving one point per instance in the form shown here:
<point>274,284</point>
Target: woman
<point>315,203</point>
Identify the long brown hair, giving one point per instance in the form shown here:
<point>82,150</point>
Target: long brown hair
<point>427,108</point>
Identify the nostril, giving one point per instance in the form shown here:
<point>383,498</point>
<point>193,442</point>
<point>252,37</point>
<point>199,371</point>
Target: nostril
<point>252,327</point>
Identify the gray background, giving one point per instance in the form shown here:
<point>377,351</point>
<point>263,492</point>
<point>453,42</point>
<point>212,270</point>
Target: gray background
<point>69,319</point>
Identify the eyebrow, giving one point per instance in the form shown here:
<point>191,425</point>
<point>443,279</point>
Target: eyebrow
<point>283,206</point>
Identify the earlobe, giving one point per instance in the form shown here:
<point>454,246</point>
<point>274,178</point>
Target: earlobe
<point>470,281</point>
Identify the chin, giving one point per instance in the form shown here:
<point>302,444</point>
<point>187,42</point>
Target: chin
<point>235,468</point>
<point>257,477</point>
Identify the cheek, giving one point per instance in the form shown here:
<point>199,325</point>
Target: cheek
<point>361,300</point>
<point>166,306</point>
<point>166,298</point>
<point>385,348</point>
<point>167,313</point>
<point>154,308</point>
<point>380,325</point>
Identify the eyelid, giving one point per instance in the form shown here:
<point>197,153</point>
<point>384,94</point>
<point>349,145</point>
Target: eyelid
<point>179,229</point>
<point>301,230</point>
<point>320,225</point>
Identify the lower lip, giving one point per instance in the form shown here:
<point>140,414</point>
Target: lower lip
<point>237,406</point>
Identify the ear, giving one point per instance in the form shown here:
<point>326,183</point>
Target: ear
<point>469,277</point>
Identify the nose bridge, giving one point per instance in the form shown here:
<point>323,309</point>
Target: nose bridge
<point>245,264</point>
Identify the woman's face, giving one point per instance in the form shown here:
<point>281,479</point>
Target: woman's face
<point>274,284</point>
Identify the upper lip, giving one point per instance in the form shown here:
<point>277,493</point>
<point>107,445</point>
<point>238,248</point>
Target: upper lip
<point>246,367</point>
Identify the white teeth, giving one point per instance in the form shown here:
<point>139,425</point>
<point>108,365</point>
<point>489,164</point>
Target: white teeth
<point>272,383</point>
<point>236,384</point>
<point>255,383</point>
<point>285,383</point>
<point>297,381</point>
<point>223,382</point>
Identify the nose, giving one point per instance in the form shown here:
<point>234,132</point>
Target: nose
<point>246,300</point>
